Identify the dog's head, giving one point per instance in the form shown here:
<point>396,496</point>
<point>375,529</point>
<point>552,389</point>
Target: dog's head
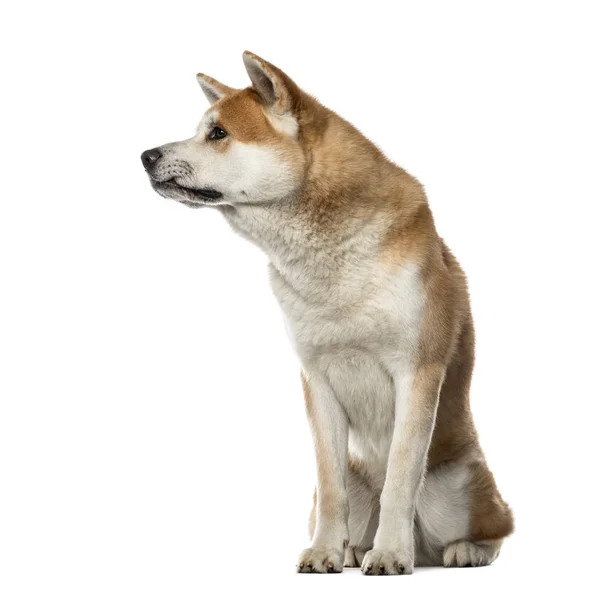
<point>246,148</point>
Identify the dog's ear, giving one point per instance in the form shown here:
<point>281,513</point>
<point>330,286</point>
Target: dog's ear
<point>274,87</point>
<point>213,89</point>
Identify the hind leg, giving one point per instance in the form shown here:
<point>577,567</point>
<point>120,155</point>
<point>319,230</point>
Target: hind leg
<point>442,513</point>
<point>461,518</point>
<point>490,521</point>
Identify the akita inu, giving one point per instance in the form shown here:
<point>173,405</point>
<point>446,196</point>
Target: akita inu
<point>378,311</point>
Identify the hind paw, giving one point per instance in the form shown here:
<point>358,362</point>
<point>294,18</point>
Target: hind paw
<point>464,554</point>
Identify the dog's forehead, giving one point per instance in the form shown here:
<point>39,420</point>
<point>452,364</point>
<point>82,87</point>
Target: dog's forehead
<point>242,116</point>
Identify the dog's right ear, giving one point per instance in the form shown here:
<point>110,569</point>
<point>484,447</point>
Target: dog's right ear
<point>213,89</point>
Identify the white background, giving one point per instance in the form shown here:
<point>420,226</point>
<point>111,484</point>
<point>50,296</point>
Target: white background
<point>153,441</point>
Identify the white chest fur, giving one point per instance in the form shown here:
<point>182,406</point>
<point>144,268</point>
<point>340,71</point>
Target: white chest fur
<point>353,319</point>
<point>361,335</point>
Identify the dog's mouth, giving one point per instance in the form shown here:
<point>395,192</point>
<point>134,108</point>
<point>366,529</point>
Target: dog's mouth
<point>187,195</point>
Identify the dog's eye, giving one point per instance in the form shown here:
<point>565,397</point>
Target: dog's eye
<point>217,133</point>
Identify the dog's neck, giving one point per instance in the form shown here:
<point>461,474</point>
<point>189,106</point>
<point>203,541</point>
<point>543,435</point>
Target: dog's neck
<point>337,220</point>
<point>292,236</point>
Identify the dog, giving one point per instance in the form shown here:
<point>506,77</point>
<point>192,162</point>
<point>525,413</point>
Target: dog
<point>377,309</point>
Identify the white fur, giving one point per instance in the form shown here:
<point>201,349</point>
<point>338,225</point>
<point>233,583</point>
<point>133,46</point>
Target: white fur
<point>464,553</point>
<point>443,505</point>
<point>355,325</point>
<point>245,173</point>
<point>284,123</point>
<point>329,422</point>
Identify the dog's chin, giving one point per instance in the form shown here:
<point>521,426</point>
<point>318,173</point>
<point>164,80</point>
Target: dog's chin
<point>194,198</point>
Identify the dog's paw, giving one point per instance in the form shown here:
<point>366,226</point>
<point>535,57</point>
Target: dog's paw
<point>461,554</point>
<point>320,560</point>
<point>382,563</point>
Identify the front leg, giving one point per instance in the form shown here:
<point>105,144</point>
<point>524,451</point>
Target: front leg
<point>329,426</point>
<point>417,392</point>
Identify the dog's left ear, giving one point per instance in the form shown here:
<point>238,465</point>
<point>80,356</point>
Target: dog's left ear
<point>213,89</point>
<point>274,87</point>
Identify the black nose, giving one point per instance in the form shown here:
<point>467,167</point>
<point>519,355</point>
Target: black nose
<point>151,157</point>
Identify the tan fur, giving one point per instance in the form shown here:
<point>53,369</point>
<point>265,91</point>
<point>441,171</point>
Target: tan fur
<point>491,518</point>
<point>338,197</point>
<point>241,115</point>
<point>447,335</point>
<point>312,519</point>
<point>329,504</point>
<point>353,231</point>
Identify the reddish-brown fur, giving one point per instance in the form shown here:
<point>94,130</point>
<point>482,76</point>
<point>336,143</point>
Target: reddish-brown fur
<point>342,168</point>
